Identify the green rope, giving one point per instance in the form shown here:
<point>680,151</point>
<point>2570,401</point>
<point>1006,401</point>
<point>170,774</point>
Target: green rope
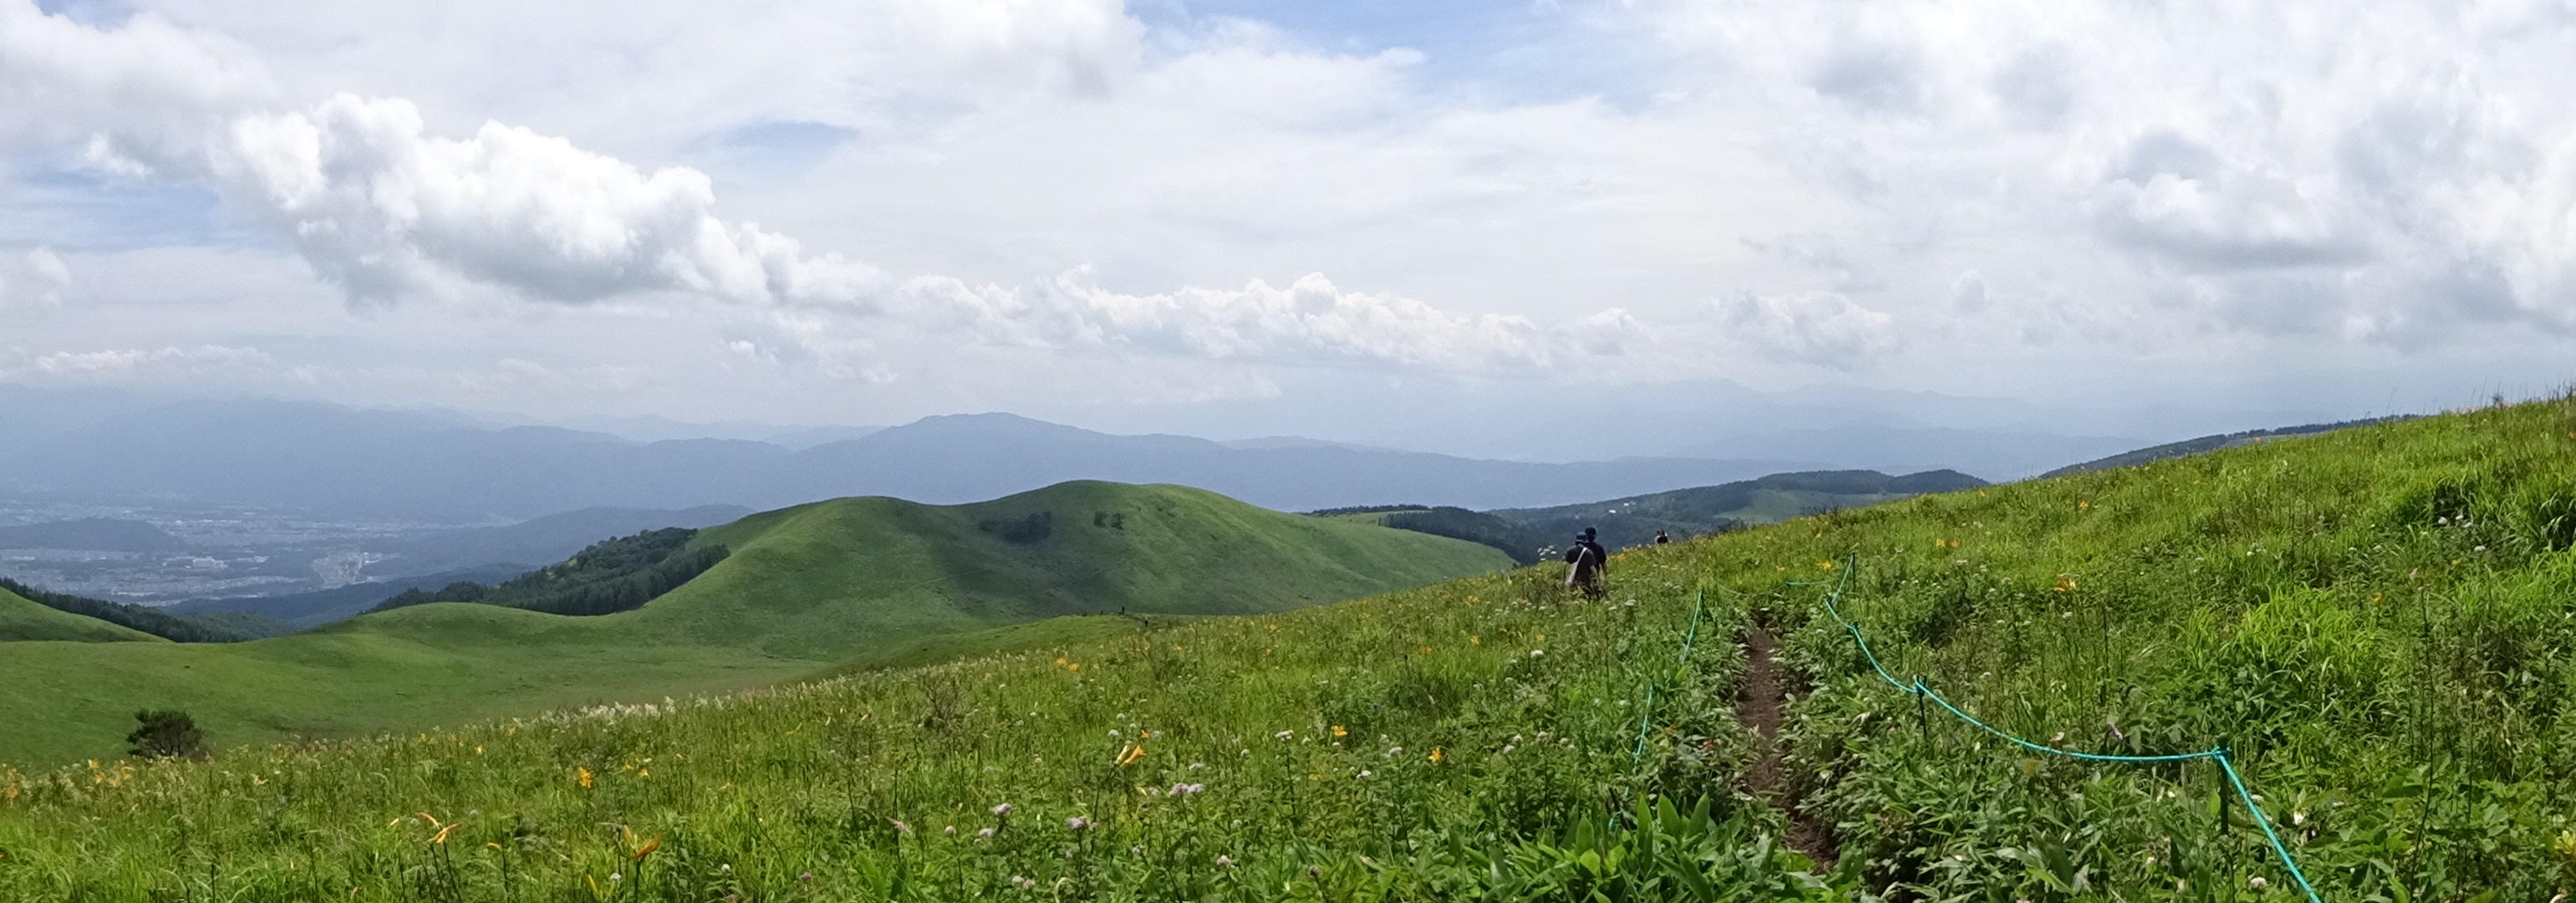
<point>2266,824</point>
<point>1917,688</point>
<point>1646,714</point>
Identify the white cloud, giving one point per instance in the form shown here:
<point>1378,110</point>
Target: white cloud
<point>152,366</point>
<point>2129,185</point>
<point>387,210</point>
<point>2216,151</point>
<point>1815,328</point>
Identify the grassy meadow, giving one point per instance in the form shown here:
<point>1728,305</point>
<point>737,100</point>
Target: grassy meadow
<point>828,585</point>
<point>2376,622</point>
<point>22,620</point>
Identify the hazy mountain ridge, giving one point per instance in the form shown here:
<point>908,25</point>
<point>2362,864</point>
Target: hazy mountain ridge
<point>323,457</point>
<point>310,609</point>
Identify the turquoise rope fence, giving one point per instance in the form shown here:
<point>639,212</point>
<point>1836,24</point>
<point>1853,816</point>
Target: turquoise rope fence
<point>1646,712</point>
<point>1916,688</point>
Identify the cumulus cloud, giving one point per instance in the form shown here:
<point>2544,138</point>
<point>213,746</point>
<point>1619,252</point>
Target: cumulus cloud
<point>2342,171</point>
<point>386,209</point>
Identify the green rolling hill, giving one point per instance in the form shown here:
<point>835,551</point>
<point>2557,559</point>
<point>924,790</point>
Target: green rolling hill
<point>2372,623</point>
<point>806,589</point>
<point>22,620</point>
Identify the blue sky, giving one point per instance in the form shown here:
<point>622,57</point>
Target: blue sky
<point>1287,217</point>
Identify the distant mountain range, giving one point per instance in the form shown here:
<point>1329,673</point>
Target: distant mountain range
<point>328,458</point>
<point>1906,449</point>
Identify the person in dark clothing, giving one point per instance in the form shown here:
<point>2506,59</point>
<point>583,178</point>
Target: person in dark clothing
<point>1661,539</point>
<point>1585,563</point>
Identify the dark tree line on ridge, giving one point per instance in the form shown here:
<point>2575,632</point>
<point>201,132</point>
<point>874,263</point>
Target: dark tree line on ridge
<point>611,576</point>
<point>175,628</point>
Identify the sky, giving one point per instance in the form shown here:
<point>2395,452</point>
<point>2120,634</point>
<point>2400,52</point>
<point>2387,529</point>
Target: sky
<point>1244,217</point>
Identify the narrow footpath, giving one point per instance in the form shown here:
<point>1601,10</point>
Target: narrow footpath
<point>1759,707</point>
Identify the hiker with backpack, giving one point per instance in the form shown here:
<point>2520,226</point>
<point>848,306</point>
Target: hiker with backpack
<point>1585,563</point>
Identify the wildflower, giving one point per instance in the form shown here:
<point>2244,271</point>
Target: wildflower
<point>1438,756</point>
<point>1340,732</point>
<point>613,876</point>
<point>582,776</point>
<point>900,827</point>
<point>1024,883</point>
<point>951,831</point>
<point>1225,862</point>
<point>1077,823</point>
<point>805,876</point>
<point>1002,810</point>
<point>1283,735</point>
<point>1128,755</point>
<point>2257,882</point>
<point>1507,749</point>
<point>1366,773</point>
<point>985,834</point>
<point>1535,653</point>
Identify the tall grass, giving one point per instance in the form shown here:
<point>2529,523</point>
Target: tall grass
<point>2376,622</point>
<point>1423,746</point>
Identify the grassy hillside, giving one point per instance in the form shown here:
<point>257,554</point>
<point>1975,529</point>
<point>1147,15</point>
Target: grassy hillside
<point>183,628</point>
<point>22,620</point>
<point>807,588</point>
<point>1531,534</point>
<point>2374,622</point>
<point>2203,444</point>
<point>1709,509</point>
